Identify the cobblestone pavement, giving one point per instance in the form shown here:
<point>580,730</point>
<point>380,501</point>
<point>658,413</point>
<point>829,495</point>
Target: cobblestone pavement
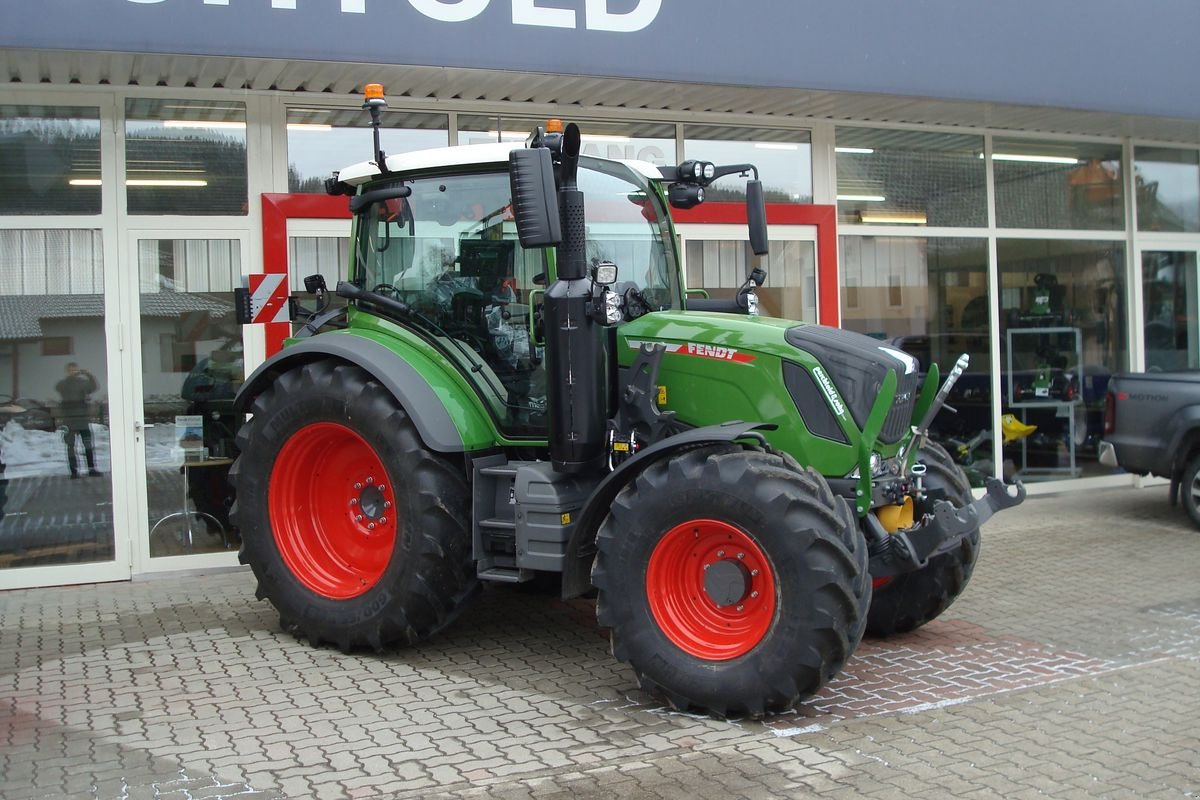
<point>1069,668</point>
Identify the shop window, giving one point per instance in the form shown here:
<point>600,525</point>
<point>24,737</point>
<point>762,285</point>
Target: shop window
<point>49,160</point>
<point>324,140</point>
<point>1063,324</point>
<point>940,319</point>
<point>783,158</point>
<point>643,141</point>
<point>1168,189</point>
<point>1170,295</point>
<point>185,157</point>
<point>1058,185</point>
<point>910,178</point>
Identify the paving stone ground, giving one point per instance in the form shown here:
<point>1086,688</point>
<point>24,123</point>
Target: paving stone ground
<point>1069,668</point>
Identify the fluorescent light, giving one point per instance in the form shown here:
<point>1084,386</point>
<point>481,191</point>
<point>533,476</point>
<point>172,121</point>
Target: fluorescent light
<point>776,146</point>
<point>202,124</point>
<point>892,217</point>
<point>308,126</point>
<point>866,151</point>
<point>862,198</point>
<point>1034,159</point>
<point>139,182</point>
<point>154,182</point>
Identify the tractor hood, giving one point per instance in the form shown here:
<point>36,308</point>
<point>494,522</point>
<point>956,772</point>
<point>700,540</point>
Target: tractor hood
<point>720,366</point>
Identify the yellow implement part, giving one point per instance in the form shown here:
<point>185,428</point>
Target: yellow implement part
<point>893,518</point>
<point>1013,429</point>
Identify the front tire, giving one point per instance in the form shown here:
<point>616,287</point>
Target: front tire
<point>906,602</point>
<point>358,534</point>
<point>731,581</point>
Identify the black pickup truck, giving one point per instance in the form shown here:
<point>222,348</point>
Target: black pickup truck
<point>1152,427</point>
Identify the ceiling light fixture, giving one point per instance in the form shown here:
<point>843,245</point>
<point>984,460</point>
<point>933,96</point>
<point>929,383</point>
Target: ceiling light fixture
<point>862,198</point>
<point>892,217</point>
<point>203,124</point>
<point>866,151</point>
<point>315,127</point>
<point>1033,159</point>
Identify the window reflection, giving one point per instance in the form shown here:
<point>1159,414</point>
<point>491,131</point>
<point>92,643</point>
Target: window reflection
<point>642,141</point>
<point>185,157</point>
<point>1170,294</point>
<point>1168,189</point>
<point>1051,184</point>
<point>55,463</point>
<point>324,140</point>
<point>783,158</point>
<point>893,177</point>
<point>49,160</point>
<point>720,267</point>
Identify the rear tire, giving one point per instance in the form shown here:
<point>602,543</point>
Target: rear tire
<point>358,534</point>
<point>906,602</point>
<point>1189,490</point>
<point>789,587</point>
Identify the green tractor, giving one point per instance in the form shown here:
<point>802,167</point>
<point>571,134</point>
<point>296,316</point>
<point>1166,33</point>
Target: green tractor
<point>520,388</point>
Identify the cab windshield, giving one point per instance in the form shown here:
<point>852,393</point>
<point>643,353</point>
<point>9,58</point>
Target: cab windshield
<point>450,252</point>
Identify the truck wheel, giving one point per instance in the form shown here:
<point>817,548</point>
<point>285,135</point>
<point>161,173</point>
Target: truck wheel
<point>732,581</point>
<point>358,535</point>
<point>906,602</point>
<point>1189,490</point>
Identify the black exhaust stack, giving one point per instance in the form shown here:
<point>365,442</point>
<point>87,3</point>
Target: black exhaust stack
<point>576,357</point>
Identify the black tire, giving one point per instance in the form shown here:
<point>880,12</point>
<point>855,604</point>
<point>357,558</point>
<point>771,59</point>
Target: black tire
<point>1189,489</point>
<point>817,562</point>
<point>906,602</point>
<point>428,575</point>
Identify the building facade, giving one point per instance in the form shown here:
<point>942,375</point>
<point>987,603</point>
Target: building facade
<point>1016,182</point>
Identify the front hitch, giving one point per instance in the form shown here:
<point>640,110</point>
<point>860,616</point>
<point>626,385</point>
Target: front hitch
<point>940,531</point>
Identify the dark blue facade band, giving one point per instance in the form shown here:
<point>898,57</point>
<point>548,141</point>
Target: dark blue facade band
<point>1102,55</point>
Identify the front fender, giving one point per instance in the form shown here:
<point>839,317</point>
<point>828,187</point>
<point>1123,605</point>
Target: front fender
<point>581,549</point>
<point>407,385</point>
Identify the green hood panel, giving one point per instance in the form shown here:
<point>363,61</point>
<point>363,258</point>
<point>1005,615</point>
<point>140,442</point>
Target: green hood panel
<point>721,367</point>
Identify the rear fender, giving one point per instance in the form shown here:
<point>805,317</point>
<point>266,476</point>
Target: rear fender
<point>407,385</point>
<point>581,549</point>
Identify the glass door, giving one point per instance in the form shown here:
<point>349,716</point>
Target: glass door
<point>716,261</point>
<point>1170,304</point>
<point>189,351</point>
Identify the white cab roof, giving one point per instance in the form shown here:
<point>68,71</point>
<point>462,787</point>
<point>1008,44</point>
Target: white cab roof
<point>463,155</point>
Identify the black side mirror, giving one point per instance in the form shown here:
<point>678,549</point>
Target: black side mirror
<point>756,218</point>
<point>535,202</point>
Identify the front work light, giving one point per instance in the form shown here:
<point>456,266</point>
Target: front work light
<point>685,195</point>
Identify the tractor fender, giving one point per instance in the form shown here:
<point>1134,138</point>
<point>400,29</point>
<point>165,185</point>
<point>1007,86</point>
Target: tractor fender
<point>581,549</point>
<point>409,387</point>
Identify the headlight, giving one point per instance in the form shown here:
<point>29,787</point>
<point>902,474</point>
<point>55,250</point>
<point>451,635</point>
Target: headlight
<point>877,467</point>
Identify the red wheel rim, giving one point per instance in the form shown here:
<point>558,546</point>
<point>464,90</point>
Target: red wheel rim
<point>332,510</point>
<point>716,623</point>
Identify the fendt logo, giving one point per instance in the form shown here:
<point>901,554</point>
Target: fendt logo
<point>596,13</point>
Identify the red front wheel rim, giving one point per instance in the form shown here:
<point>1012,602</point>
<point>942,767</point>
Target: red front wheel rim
<point>332,510</point>
<point>711,589</point>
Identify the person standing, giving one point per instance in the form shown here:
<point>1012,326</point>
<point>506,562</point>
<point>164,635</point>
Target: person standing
<point>75,391</point>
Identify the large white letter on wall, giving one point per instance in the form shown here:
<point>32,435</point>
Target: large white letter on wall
<point>527,12</point>
<point>599,18</point>
<point>460,11</point>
